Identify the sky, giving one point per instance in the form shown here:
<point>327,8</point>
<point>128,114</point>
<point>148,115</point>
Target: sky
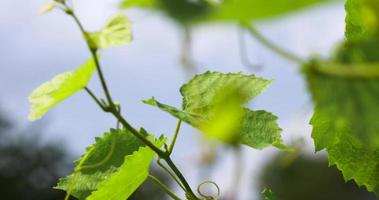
<point>34,48</point>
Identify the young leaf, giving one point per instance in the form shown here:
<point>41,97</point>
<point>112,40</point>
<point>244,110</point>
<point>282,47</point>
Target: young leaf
<point>58,89</point>
<point>102,161</point>
<point>131,174</point>
<point>116,32</point>
<point>212,102</point>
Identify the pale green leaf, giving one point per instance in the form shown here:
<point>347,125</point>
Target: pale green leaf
<point>130,175</point>
<point>59,88</point>
<point>101,159</point>
<point>116,32</point>
<point>213,102</point>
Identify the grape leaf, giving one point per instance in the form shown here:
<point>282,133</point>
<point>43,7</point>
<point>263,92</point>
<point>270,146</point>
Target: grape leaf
<point>346,107</point>
<point>345,124</point>
<point>58,89</point>
<point>362,18</point>
<point>246,10</point>
<point>182,11</point>
<point>212,102</point>
<point>235,10</point>
<point>101,161</point>
<point>116,32</point>
<point>131,174</point>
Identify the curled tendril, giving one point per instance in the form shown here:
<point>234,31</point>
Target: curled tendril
<point>208,197</point>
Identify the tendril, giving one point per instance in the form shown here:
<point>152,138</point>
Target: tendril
<point>208,197</point>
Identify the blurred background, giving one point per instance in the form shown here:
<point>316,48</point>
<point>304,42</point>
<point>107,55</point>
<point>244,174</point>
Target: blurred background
<point>34,48</point>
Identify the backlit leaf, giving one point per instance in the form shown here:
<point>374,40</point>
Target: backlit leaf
<point>58,89</point>
<point>130,175</point>
<point>116,32</point>
<point>101,159</point>
<point>213,102</point>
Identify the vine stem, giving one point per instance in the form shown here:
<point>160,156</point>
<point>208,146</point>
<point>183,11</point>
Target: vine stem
<point>164,187</point>
<point>269,44</point>
<point>112,108</point>
<point>175,137</point>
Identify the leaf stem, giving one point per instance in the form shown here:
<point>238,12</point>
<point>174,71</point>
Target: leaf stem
<point>93,51</point>
<point>98,102</point>
<point>271,45</point>
<point>170,173</point>
<point>172,144</point>
<point>163,187</point>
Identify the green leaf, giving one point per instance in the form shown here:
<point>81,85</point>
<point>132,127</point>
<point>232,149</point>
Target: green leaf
<point>116,32</point>
<point>139,4</point>
<point>268,194</point>
<point>101,159</point>
<point>260,130</point>
<point>182,11</point>
<point>131,174</point>
<point>212,102</point>
<point>345,124</point>
<point>361,18</point>
<point>200,93</point>
<point>59,88</point>
<point>246,10</point>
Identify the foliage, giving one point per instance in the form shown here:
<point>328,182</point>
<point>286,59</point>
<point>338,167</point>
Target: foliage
<point>213,103</point>
<point>344,89</point>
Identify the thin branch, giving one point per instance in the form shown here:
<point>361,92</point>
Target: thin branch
<point>164,187</point>
<point>172,144</point>
<point>169,173</point>
<point>243,51</point>
<point>98,102</point>
<point>269,44</point>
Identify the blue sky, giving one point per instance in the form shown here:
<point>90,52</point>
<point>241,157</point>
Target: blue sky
<point>34,48</point>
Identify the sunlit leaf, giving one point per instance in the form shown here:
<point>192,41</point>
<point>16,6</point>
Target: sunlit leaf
<point>116,32</point>
<point>105,160</point>
<point>213,102</point>
<point>101,159</point>
<point>58,89</point>
<point>130,175</point>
